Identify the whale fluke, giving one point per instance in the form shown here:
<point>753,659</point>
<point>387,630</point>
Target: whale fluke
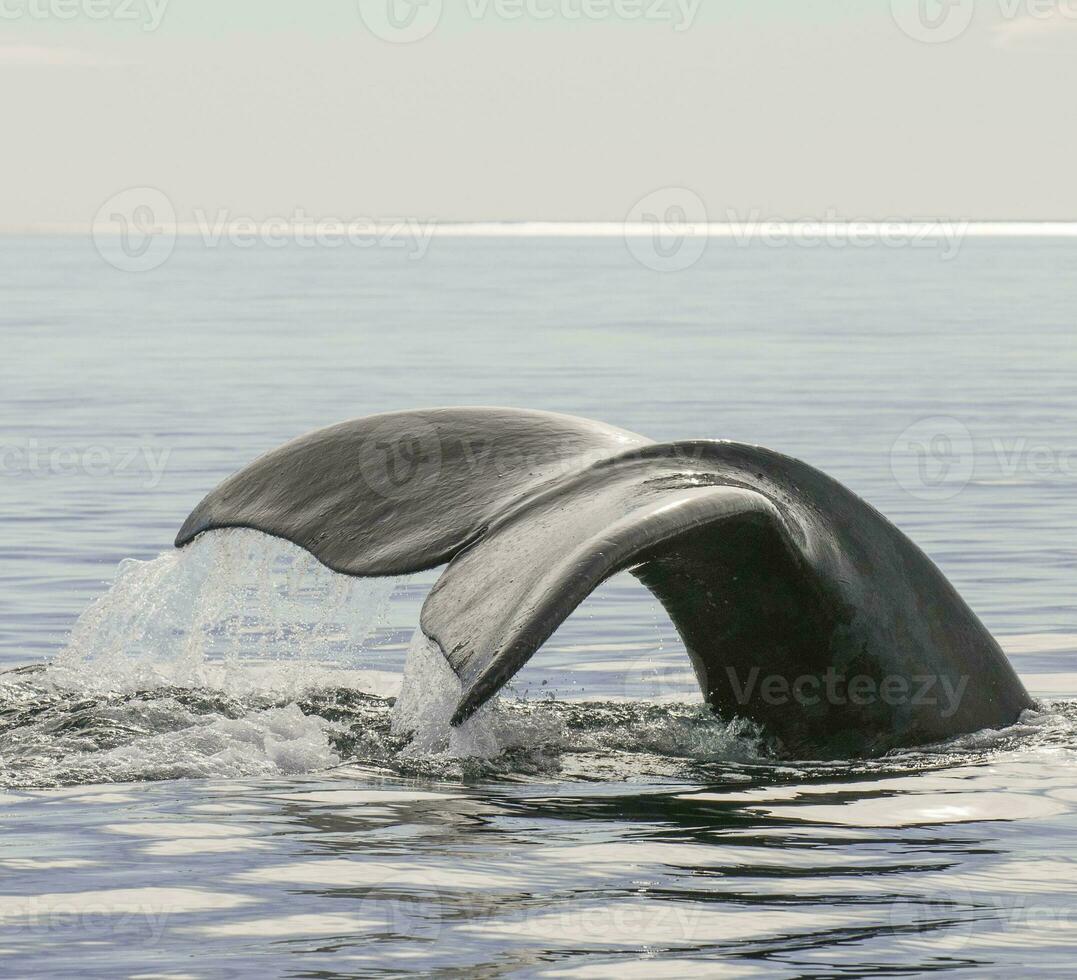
<point>800,606</point>
<point>402,492</point>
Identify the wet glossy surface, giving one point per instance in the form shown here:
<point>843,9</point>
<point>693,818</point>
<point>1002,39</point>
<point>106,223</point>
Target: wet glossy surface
<point>240,807</point>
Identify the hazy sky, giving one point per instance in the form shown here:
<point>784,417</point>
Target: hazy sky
<point>786,109</point>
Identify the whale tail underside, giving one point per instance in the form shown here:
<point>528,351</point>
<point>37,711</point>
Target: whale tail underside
<point>532,511</point>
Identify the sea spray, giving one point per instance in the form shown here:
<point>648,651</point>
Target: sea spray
<point>232,598</point>
<point>429,695</point>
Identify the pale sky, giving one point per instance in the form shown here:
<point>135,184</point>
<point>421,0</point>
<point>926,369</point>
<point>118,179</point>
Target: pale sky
<point>783,109</point>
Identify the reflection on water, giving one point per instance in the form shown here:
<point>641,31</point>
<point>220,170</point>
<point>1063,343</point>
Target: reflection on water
<point>353,870</point>
<point>599,833</point>
<point>207,782</point>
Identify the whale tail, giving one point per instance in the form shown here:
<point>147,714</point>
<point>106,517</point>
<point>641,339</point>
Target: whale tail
<point>757,558</point>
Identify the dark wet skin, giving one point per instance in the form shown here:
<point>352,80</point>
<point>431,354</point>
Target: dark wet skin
<point>801,607</point>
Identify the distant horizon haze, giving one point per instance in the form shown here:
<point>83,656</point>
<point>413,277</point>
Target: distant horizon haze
<point>550,110</point>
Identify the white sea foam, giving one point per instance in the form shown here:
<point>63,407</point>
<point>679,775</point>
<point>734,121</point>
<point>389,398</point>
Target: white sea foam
<point>276,741</point>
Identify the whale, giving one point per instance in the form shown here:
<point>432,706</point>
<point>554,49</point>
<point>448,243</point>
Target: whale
<point>801,608</point>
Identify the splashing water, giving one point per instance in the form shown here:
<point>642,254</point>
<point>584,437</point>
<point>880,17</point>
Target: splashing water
<point>428,697</point>
<point>244,612</point>
<point>194,664</point>
<point>241,655</point>
<point>231,599</point>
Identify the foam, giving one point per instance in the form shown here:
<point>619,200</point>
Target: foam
<point>273,742</point>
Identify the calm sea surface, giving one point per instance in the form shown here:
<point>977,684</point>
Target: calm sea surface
<point>202,780</point>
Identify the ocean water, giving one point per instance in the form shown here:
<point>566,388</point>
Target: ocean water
<point>200,775</point>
